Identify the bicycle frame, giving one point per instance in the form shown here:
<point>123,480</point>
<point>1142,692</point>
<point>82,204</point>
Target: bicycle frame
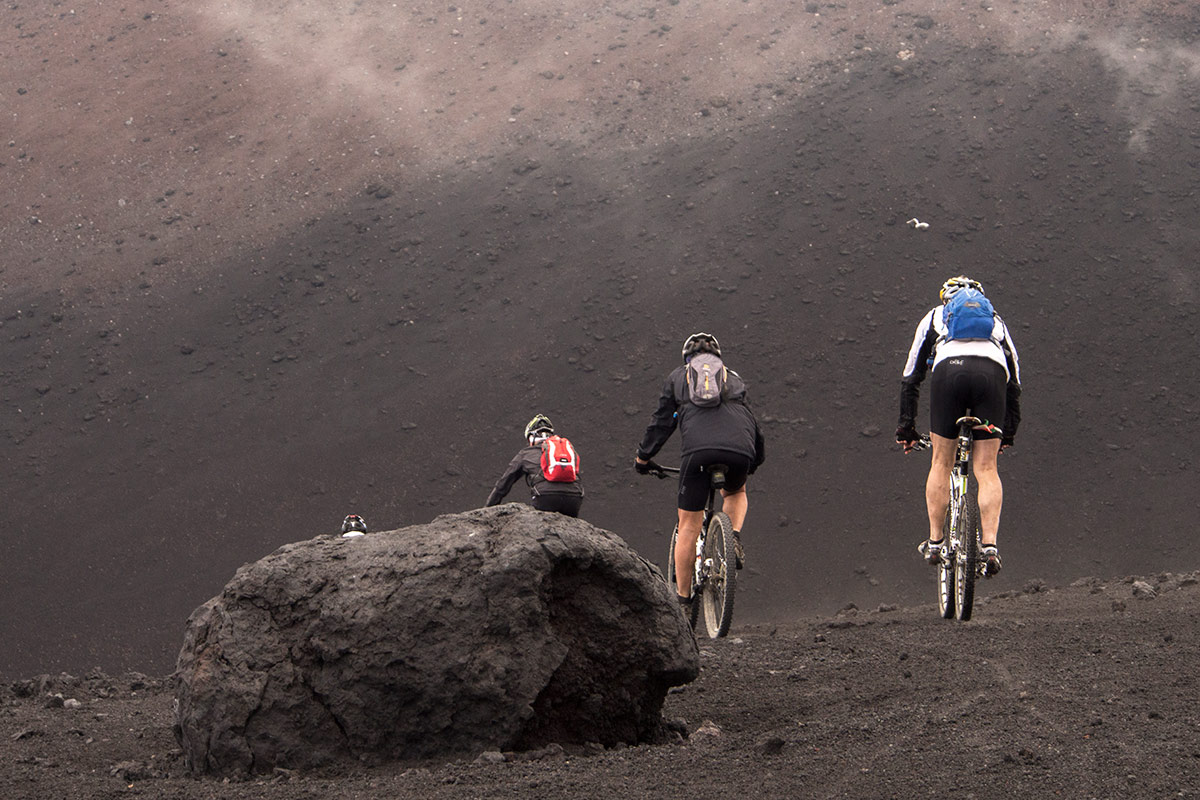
<point>960,473</point>
<point>703,567</point>
<point>961,560</point>
<point>699,571</point>
<point>713,575</point>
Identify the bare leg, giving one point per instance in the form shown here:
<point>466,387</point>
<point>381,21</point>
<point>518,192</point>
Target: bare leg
<point>735,505</point>
<point>685,550</point>
<point>991,491</point>
<point>937,485</point>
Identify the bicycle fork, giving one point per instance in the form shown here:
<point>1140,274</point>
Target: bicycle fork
<point>958,489</point>
<point>702,567</point>
<point>959,480</point>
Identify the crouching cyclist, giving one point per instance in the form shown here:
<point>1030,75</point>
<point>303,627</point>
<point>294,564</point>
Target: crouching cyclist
<point>549,491</point>
<point>707,402</point>
<point>975,369</point>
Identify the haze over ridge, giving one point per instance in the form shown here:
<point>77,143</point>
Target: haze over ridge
<point>295,106</point>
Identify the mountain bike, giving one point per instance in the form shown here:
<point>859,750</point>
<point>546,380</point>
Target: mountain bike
<point>961,532</point>
<point>714,578</point>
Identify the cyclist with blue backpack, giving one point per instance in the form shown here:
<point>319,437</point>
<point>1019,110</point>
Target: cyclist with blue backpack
<point>975,368</point>
<point>707,402</point>
<point>550,467</point>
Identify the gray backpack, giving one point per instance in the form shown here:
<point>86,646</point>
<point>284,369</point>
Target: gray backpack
<point>706,377</point>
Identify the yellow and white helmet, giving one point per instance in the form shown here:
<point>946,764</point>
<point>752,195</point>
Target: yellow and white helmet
<point>951,287</point>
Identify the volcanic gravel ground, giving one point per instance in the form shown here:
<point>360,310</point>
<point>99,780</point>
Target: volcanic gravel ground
<point>1081,691</point>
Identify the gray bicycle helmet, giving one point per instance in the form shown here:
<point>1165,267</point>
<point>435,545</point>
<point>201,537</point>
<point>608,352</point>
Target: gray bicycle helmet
<point>700,343</point>
<point>354,524</point>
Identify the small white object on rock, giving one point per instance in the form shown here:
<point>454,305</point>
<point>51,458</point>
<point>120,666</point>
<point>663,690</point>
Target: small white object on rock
<point>1143,590</point>
<point>916,223</point>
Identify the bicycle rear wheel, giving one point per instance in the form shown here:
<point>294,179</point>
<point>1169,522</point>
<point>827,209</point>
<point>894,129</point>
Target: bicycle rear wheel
<point>945,570</point>
<point>966,557</point>
<point>720,578</point>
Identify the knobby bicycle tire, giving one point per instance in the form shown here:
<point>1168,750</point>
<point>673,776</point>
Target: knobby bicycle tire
<point>966,562</point>
<point>945,570</point>
<point>718,592</point>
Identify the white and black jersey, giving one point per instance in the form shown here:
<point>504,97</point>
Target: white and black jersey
<point>930,348</point>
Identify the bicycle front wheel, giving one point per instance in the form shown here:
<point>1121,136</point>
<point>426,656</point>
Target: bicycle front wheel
<point>669,572</point>
<point>720,576</point>
<point>966,557</point>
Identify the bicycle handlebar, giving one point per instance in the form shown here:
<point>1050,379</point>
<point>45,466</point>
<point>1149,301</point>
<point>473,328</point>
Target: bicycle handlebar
<point>659,471</point>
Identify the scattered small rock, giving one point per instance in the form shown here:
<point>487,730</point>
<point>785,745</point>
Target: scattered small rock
<point>1144,591</point>
<point>130,771</point>
<point>770,745</point>
<point>490,757</point>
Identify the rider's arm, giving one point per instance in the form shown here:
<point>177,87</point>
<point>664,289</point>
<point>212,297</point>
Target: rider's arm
<point>738,394</point>
<point>1012,411</point>
<point>514,470</point>
<point>760,448</point>
<point>662,424</point>
<point>919,356</point>
<point>1012,400</point>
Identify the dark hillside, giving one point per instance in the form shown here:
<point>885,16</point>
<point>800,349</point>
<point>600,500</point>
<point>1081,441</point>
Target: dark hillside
<point>283,293</point>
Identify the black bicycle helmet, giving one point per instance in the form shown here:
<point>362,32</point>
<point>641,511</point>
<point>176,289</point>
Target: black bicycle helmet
<point>353,524</point>
<point>700,343</point>
<point>539,424</point>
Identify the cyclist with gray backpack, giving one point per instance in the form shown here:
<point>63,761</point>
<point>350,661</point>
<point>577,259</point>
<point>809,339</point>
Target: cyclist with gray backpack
<point>976,372</point>
<point>707,402</point>
<point>550,467</point>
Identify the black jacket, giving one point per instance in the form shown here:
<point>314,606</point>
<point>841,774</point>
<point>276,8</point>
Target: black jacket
<point>729,426</point>
<point>528,462</point>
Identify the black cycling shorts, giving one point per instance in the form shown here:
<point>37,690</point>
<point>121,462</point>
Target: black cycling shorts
<point>568,504</point>
<point>965,385</point>
<point>694,477</point>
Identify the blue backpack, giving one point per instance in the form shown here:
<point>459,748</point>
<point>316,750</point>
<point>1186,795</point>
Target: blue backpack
<point>968,315</point>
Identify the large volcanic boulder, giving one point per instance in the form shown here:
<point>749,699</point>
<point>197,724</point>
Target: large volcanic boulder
<point>498,629</point>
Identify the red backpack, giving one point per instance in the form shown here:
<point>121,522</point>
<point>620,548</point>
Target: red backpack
<point>560,462</point>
